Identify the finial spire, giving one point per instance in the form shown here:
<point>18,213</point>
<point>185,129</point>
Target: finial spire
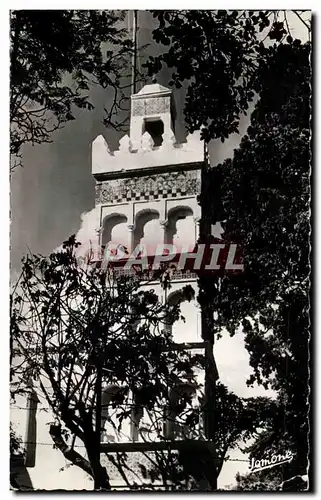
<point>134,56</point>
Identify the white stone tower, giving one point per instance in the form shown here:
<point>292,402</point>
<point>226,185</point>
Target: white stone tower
<point>146,192</point>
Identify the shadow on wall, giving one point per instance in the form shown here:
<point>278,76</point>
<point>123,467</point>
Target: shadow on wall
<point>19,475</point>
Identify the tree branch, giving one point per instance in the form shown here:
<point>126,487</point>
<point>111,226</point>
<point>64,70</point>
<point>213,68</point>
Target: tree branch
<point>302,20</point>
<point>69,453</point>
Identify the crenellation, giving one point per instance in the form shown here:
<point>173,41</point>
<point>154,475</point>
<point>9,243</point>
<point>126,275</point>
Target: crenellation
<point>125,145</point>
<point>151,142</point>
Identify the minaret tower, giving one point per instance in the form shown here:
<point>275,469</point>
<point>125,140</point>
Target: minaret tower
<point>150,172</point>
<point>146,192</point>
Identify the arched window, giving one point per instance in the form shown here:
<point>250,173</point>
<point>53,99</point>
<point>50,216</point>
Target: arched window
<point>183,330</point>
<point>178,397</point>
<point>114,229</point>
<point>146,227</point>
<point>185,337</point>
<point>173,299</point>
<point>181,227</point>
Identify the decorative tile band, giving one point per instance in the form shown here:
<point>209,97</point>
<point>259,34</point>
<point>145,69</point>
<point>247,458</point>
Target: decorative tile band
<point>152,187</point>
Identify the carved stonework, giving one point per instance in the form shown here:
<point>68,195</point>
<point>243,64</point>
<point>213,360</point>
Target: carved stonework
<point>147,142</point>
<point>152,187</point>
<point>103,192</point>
<point>125,144</point>
<point>138,107</point>
<point>133,469</point>
<point>150,106</point>
<point>169,140</point>
<point>176,274</point>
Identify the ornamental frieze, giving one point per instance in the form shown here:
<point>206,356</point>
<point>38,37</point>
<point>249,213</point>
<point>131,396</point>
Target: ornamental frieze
<point>152,187</point>
<point>150,106</point>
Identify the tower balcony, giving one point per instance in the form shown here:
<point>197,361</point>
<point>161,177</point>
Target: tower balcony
<point>215,257</point>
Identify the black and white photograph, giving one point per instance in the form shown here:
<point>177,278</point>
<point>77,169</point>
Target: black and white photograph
<point>160,250</point>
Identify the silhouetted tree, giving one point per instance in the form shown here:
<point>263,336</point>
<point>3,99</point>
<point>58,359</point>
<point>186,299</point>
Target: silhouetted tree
<point>55,56</point>
<point>263,197</point>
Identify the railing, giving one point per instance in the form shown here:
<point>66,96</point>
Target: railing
<point>153,275</point>
<point>120,267</point>
<point>158,426</point>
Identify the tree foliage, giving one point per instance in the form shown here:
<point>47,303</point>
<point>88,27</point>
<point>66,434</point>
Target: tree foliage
<point>220,67</point>
<point>76,330</point>
<point>55,57</point>
<point>15,441</point>
<point>264,193</point>
<point>270,480</point>
<point>266,480</point>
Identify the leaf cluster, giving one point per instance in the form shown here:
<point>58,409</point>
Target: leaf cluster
<point>216,55</point>
<point>264,201</point>
<point>55,57</point>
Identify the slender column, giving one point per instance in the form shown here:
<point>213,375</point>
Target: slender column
<point>99,233</point>
<point>197,221</point>
<point>163,225</point>
<point>99,251</point>
<point>107,395</point>
<point>170,415</point>
<point>136,416</point>
<point>130,245</point>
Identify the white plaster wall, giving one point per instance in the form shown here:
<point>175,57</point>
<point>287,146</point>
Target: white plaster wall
<point>114,435</point>
<point>103,160</point>
<point>50,472</point>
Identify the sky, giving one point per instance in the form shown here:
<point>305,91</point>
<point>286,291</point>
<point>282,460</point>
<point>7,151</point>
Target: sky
<point>55,187</point>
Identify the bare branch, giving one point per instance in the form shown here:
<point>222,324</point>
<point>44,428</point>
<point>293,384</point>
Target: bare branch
<point>69,453</point>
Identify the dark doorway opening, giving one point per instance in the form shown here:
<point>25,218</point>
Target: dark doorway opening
<point>155,128</point>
